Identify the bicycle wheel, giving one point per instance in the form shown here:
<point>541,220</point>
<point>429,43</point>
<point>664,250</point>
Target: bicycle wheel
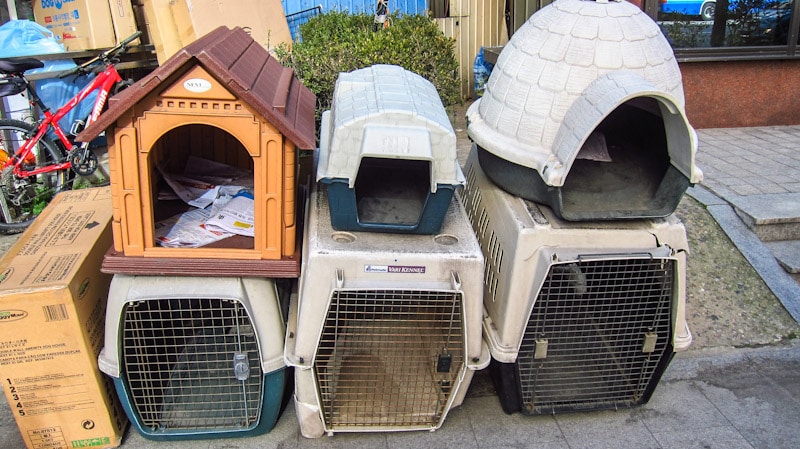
<point>22,199</point>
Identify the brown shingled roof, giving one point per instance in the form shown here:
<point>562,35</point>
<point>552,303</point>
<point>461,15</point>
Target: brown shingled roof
<point>246,69</point>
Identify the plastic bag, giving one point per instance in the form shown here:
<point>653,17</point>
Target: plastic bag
<point>11,86</point>
<point>481,70</point>
<point>27,38</point>
<point>55,92</point>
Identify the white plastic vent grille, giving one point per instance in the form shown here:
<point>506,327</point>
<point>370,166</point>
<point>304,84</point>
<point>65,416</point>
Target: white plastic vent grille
<point>192,364</point>
<point>491,248</point>
<point>597,335</point>
<point>389,357</point>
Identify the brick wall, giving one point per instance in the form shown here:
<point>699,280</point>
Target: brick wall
<point>732,94</point>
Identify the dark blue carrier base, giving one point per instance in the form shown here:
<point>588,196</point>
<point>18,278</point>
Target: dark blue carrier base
<point>506,381</point>
<point>393,212</point>
<point>273,402</point>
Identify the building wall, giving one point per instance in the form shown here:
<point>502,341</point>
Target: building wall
<point>730,94</point>
<point>473,24</point>
<point>718,94</point>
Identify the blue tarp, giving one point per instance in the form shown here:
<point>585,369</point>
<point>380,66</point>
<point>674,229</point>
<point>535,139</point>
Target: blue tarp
<point>27,38</point>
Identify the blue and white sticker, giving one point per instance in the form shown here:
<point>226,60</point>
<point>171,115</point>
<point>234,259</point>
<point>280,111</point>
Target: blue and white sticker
<point>412,269</point>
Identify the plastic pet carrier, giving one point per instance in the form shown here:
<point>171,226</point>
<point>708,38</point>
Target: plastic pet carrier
<point>588,117</point>
<point>196,357</point>
<point>386,332</point>
<point>387,153</point>
<point>578,315</point>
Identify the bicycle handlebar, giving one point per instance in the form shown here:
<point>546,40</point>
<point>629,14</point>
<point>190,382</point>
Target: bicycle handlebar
<point>105,56</point>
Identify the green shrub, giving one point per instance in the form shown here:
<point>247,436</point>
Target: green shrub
<point>337,42</point>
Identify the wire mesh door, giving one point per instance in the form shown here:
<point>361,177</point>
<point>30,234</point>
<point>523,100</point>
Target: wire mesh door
<point>599,335</point>
<point>389,358</point>
<point>192,364</point>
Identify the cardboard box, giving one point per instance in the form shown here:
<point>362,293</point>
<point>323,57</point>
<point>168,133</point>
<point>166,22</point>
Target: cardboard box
<point>78,24</point>
<point>173,25</point>
<point>52,323</point>
<point>123,19</point>
<point>161,28</point>
<point>141,22</point>
<point>195,18</point>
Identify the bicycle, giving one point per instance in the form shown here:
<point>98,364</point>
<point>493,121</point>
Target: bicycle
<point>34,167</point>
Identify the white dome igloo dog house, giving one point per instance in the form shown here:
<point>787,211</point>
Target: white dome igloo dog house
<point>584,112</point>
<point>387,153</point>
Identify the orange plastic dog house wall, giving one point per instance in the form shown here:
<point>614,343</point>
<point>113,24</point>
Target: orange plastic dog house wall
<point>222,98</point>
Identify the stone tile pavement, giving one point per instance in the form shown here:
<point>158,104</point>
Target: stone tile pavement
<point>740,162</point>
<point>751,187</point>
<point>718,399</point>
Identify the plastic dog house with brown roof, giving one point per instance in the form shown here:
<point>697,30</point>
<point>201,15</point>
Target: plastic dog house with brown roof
<point>222,98</point>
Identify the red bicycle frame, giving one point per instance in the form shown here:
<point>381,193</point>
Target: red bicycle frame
<point>104,81</point>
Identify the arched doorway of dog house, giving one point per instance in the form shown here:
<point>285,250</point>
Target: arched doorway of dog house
<point>624,166</point>
<point>187,161</point>
<point>392,191</point>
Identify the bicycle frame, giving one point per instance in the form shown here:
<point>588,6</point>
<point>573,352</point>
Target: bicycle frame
<point>104,82</point>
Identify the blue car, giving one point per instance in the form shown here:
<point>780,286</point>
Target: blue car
<point>703,8</point>
<point>773,24</point>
